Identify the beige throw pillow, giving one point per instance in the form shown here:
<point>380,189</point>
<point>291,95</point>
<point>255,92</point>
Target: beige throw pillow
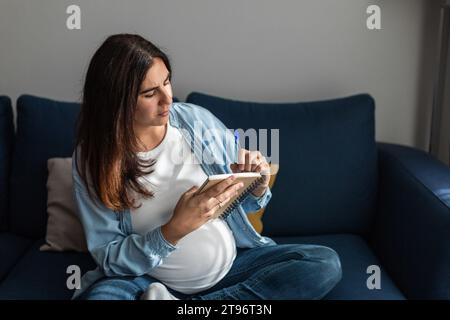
<point>64,229</point>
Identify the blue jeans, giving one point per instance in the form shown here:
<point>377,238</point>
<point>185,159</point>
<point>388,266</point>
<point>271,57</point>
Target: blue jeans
<point>286,272</point>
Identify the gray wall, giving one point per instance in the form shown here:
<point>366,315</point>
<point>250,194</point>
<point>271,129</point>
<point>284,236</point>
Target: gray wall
<point>260,50</point>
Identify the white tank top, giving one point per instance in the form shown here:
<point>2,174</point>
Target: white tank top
<point>205,255</point>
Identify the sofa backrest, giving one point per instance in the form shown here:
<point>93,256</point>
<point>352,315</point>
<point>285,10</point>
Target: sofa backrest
<point>6,140</point>
<point>327,178</point>
<point>45,129</point>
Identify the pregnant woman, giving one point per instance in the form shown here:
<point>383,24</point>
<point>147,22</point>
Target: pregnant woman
<point>137,164</point>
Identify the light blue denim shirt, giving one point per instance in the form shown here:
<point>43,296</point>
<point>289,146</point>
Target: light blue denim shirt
<point>111,241</point>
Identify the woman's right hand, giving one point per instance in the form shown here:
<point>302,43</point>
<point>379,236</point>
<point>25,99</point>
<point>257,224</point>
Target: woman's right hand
<point>192,211</point>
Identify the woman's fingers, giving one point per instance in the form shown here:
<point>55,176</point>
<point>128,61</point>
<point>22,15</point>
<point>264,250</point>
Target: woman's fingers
<point>217,189</point>
<point>215,207</point>
<point>250,159</point>
<point>224,197</point>
<point>234,167</point>
<point>241,158</point>
<point>230,192</point>
<point>263,167</point>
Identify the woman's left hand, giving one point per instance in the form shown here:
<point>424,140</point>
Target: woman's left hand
<point>253,161</point>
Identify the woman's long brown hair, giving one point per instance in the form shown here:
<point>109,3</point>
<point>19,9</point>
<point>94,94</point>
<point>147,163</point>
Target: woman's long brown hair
<point>104,128</point>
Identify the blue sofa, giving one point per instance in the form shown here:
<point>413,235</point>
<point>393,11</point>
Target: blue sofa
<point>374,203</point>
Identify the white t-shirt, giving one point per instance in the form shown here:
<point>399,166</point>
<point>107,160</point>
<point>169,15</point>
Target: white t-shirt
<point>205,255</point>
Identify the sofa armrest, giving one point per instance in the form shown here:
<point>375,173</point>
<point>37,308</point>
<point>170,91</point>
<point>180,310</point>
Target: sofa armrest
<point>411,233</point>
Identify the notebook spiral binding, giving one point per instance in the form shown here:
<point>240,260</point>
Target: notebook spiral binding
<point>241,197</point>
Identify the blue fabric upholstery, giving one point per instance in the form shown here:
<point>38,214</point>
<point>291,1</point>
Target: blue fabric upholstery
<point>42,275</point>
<point>45,129</point>
<point>11,249</point>
<point>6,140</point>
<point>327,152</point>
<point>412,229</point>
<point>356,256</point>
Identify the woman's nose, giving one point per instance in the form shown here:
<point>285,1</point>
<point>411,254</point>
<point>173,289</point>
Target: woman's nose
<point>166,96</point>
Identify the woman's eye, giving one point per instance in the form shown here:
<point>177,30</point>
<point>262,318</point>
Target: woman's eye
<point>153,93</point>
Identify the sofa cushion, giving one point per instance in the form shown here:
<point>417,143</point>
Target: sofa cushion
<point>355,256</point>
<point>11,249</point>
<point>45,129</point>
<point>327,156</point>
<point>43,275</point>
<point>6,140</point>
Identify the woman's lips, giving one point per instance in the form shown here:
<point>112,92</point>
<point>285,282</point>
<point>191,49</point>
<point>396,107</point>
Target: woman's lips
<point>164,113</point>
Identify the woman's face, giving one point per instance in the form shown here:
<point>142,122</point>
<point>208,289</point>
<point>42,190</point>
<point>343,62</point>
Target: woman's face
<point>155,96</point>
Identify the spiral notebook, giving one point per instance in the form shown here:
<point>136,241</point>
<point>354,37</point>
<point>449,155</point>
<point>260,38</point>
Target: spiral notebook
<point>250,179</point>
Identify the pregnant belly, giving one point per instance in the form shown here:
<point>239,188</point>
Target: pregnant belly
<point>202,259</point>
